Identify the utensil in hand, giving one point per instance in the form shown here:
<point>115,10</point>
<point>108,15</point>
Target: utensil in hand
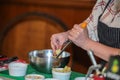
<point>66,45</point>
<point>68,42</point>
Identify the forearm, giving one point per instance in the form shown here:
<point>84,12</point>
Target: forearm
<point>101,50</point>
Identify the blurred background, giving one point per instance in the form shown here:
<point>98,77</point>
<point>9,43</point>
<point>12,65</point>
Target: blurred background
<point>27,25</point>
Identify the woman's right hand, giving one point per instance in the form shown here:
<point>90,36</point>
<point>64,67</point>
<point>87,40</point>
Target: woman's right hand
<point>57,40</point>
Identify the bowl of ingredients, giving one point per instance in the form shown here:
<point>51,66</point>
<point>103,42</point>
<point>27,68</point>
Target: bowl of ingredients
<point>61,73</point>
<point>44,61</point>
<point>34,77</point>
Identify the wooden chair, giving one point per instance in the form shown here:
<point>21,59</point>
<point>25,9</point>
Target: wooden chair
<point>27,32</point>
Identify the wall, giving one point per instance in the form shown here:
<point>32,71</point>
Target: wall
<point>69,11</point>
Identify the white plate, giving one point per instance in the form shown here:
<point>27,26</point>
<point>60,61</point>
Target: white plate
<point>51,79</point>
<point>34,77</point>
<point>81,78</point>
<point>3,68</point>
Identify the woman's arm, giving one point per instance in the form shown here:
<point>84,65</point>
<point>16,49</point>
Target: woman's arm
<point>80,37</point>
<point>101,50</point>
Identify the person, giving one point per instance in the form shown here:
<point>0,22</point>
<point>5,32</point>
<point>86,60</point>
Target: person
<point>102,34</point>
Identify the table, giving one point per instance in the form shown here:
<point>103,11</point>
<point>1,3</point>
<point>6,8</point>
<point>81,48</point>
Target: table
<point>31,70</point>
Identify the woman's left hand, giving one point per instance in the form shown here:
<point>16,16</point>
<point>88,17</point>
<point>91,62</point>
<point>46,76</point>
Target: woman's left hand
<point>78,36</point>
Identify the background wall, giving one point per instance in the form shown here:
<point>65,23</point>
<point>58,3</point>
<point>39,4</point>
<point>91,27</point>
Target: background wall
<point>69,11</point>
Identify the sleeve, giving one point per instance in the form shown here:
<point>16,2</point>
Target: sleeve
<point>92,20</point>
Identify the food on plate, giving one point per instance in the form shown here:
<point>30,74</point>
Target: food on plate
<point>34,77</point>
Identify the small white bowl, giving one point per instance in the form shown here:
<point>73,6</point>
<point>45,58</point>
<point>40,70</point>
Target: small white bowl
<point>82,78</point>
<point>34,77</point>
<point>51,79</point>
<point>17,68</point>
<point>60,75</point>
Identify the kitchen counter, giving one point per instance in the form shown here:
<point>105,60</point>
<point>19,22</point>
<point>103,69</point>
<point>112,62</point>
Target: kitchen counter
<point>31,70</point>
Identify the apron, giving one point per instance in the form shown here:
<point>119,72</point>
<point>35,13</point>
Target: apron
<point>108,35</point>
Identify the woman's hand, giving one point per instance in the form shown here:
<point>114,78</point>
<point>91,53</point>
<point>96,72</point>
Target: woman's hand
<point>57,40</point>
<point>78,36</point>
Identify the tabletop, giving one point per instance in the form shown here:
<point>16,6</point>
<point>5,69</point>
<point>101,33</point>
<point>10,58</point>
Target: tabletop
<point>31,70</point>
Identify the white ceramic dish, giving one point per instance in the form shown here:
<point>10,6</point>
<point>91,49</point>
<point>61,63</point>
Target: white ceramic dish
<point>81,78</point>
<point>51,79</point>
<point>3,68</point>
<point>34,77</point>
<point>61,75</point>
<point>17,68</point>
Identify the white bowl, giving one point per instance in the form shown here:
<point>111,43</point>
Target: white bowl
<point>82,78</point>
<point>61,75</point>
<point>34,77</point>
<point>51,79</point>
<point>17,68</point>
